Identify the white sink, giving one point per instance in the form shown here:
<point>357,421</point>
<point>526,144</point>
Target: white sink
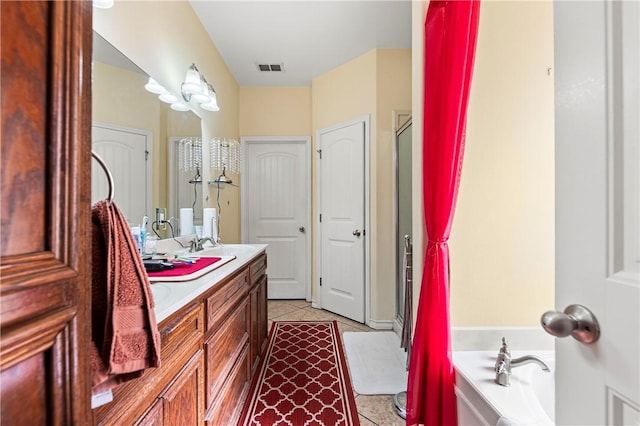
<point>225,250</point>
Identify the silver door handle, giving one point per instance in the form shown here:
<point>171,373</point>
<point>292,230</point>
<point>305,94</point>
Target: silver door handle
<point>576,320</point>
<point>357,233</point>
<point>301,229</point>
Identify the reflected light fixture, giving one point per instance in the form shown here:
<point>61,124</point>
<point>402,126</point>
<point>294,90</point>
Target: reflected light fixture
<point>224,154</point>
<point>190,157</point>
<point>164,95</point>
<point>179,106</point>
<point>154,87</point>
<point>168,98</point>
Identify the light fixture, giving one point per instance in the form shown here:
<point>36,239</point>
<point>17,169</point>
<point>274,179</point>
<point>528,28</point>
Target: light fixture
<point>154,87</point>
<point>202,94</point>
<point>190,157</point>
<point>164,95</point>
<point>168,98</point>
<point>212,105</point>
<point>224,154</point>
<point>179,106</point>
<point>192,83</point>
<point>195,87</point>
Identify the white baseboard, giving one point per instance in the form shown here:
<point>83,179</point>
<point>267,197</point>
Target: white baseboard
<point>397,327</point>
<point>490,338</point>
<point>380,325</point>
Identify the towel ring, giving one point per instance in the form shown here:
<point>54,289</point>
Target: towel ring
<point>107,172</point>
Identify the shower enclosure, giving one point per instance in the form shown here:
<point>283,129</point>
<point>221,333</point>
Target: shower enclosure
<point>403,212</point>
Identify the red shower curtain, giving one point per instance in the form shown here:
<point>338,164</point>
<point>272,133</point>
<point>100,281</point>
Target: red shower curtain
<point>451,29</point>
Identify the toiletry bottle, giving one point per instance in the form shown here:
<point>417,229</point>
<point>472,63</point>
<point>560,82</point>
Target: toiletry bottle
<point>135,231</point>
<point>143,239</point>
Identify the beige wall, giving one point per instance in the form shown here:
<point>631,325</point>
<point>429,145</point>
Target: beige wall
<point>393,92</point>
<point>374,85</point>
<point>275,111</point>
<point>502,241</point>
<point>172,39</point>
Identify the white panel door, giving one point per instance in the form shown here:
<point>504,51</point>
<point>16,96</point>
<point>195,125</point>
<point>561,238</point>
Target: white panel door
<point>342,234</point>
<point>597,197</point>
<point>277,208</point>
<point>125,153</point>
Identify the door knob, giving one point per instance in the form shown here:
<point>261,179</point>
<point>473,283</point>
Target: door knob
<point>301,229</point>
<point>576,320</point>
<point>357,233</point>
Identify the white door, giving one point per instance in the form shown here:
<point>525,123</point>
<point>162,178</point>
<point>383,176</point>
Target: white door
<point>276,209</point>
<point>597,197</point>
<point>341,177</point>
<point>125,152</point>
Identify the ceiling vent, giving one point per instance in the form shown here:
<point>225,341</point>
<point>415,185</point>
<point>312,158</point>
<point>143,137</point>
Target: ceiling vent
<point>271,67</point>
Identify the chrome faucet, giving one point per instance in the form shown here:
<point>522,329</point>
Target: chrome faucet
<point>504,364</point>
<point>196,244</point>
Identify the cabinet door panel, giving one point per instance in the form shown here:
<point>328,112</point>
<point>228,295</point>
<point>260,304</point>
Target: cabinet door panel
<point>262,314</point>
<point>153,417</point>
<point>45,160</point>
<point>223,349</point>
<point>183,400</point>
<point>228,406</point>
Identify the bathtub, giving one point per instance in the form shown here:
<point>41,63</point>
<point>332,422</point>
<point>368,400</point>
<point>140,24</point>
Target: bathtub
<point>528,401</point>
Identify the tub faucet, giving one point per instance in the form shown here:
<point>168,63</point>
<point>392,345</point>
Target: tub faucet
<point>504,364</point>
<point>529,359</point>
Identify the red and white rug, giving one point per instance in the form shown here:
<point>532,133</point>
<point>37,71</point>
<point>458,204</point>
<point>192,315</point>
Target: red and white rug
<point>302,379</point>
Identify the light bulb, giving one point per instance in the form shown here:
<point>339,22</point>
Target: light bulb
<point>154,87</point>
<point>179,106</point>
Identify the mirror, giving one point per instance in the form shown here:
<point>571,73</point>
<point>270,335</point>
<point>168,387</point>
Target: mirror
<point>137,136</point>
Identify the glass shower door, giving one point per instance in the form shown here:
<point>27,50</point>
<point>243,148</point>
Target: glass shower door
<point>403,210</point>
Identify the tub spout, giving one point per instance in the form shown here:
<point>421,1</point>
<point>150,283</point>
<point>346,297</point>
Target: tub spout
<point>529,359</point>
<point>504,364</point>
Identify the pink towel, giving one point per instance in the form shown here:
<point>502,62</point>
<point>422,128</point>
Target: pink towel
<point>125,338</point>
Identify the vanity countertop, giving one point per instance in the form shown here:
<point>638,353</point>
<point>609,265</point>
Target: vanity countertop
<point>169,297</point>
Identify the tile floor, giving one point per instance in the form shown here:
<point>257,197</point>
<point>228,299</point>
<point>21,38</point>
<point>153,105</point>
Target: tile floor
<point>373,410</point>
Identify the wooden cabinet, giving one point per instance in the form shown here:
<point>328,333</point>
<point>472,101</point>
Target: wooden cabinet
<point>258,308</point>
<point>209,350</point>
<point>183,399</point>
<point>181,403</point>
<point>181,372</point>
<point>45,164</point>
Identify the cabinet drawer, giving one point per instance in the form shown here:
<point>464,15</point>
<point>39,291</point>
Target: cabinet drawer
<point>178,329</point>
<point>228,406</point>
<point>223,350</point>
<point>258,268</point>
<point>225,298</point>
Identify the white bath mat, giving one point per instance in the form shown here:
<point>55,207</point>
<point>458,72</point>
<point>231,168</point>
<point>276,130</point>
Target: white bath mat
<point>376,361</point>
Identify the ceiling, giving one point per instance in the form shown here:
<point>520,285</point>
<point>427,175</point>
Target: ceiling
<point>308,38</point>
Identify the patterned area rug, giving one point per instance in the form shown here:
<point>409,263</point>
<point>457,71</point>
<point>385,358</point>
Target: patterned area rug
<point>302,379</point>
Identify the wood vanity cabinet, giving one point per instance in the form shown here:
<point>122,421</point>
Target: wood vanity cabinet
<point>258,314</point>
<point>233,346</point>
<point>169,394</point>
<point>209,349</point>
